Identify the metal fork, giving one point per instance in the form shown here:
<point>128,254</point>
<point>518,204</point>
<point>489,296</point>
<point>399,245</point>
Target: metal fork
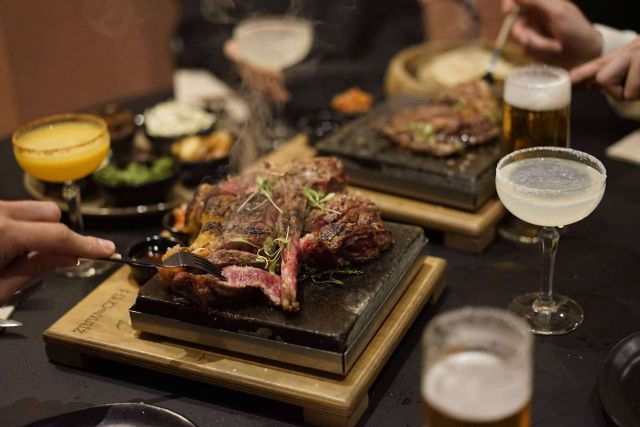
<point>187,259</point>
<point>180,259</point>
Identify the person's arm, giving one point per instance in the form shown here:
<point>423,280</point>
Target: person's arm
<point>555,31</point>
<point>34,241</point>
<point>618,72</point>
<point>613,39</point>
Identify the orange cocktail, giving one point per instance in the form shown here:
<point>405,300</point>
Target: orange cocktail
<point>62,148</point>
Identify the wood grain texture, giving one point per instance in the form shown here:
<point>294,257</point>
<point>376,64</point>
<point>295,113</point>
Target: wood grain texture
<point>99,326</point>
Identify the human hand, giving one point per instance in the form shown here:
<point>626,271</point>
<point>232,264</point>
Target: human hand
<point>267,81</point>
<point>618,72</point>
<point>34,241</point>
<point>555,31</point>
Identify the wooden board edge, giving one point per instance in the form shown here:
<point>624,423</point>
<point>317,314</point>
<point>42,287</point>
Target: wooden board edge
<point>355,388</point>
<point>434,216</point>
<point>400,319</point>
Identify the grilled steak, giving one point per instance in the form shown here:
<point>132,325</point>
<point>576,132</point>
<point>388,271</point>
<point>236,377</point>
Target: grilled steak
<point>253,226</point>
<point>349,230</point>
<point>453,120</point>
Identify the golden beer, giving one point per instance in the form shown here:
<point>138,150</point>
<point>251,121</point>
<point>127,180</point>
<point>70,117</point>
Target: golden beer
<point>526,128</point>
<point>477,370</point>
<point>434,418</point>
<point>536,113</point>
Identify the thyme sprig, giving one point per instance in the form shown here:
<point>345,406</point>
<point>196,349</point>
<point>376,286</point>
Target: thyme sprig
<point>270,253</point>
<point>318,199</point>
<point>327,277</point>
<point>265,188</point>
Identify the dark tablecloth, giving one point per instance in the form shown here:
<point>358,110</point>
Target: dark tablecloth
<point>598,265</point>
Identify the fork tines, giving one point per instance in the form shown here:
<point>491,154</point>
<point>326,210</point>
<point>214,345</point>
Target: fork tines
<point>189,260</point>
<point>208,266</point>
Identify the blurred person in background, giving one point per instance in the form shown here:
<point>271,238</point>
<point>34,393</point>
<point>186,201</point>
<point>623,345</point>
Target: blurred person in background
<point>557,32</point>
<point>352,38</point>
<point>34,242</point>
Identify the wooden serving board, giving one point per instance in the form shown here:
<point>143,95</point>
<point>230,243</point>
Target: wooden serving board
<point>467,231</point>
<point>98,327</point>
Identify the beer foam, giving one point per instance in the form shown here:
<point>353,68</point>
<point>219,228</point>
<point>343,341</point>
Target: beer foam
<point>538,88</point>
<point>476,386</point>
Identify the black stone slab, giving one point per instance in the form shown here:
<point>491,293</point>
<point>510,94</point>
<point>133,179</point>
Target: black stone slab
<point>330,318</point>
<point>463,181</point>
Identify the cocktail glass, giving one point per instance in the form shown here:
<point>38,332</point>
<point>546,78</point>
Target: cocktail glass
<point>550,187</point>
<point>273,43</point>
<point>64,148</point>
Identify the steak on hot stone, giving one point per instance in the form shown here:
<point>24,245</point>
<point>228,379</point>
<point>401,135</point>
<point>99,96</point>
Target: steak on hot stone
<point>260,224</point>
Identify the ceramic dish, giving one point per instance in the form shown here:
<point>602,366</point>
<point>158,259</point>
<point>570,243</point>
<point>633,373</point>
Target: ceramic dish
<point>117,414</point>
<point>619,382</point>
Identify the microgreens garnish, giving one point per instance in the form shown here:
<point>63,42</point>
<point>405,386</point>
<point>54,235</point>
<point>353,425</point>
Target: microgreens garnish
<point>419,131</point>
<point>270,253</point>
<point>318,199</point>
<point>265,188</point>
<point>327,277</point>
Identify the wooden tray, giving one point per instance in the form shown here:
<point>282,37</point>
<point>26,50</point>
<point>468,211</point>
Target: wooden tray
<point>99,327</point>
<point>467,231</point>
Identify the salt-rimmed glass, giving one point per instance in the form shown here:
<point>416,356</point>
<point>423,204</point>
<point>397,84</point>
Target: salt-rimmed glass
<point>45,153</point>
<point>550,187</point>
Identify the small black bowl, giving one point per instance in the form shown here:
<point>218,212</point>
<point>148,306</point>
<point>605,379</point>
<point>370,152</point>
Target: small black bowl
<point>168,222</point>
<point>142,194</point>
<point>161,145</point>
<point>193,173</point>
<point>149,247</point>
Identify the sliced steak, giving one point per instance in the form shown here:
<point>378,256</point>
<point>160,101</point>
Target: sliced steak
<point>204,289</point>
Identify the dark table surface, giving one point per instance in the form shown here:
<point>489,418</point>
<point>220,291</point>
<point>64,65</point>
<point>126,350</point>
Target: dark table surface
<point>598,265</point>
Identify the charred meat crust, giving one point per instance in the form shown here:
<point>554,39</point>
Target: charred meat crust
<point>253,230</point>
<point>454,120</point>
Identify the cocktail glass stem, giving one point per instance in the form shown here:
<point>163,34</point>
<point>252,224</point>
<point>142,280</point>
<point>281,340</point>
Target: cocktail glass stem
<point>71,195</point>
<point>549,239</point>
<point>85,267</point>
<point>548,313</point>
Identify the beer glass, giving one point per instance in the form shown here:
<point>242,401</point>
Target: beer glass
<point>476,369</point>
<point>536,113</point>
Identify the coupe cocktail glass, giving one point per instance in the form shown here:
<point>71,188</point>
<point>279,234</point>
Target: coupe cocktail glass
<point>550,187</point>
<point>274,42</point>
<point>62,149</point>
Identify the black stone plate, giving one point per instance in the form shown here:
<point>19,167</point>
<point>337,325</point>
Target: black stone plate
<point>463,181</point>
<point>117,414</point>
<point>330,318</point>
<point>619,382</point>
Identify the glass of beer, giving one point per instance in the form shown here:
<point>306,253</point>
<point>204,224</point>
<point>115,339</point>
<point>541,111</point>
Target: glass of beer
<point>476,369</point>
<point>537,101</point>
